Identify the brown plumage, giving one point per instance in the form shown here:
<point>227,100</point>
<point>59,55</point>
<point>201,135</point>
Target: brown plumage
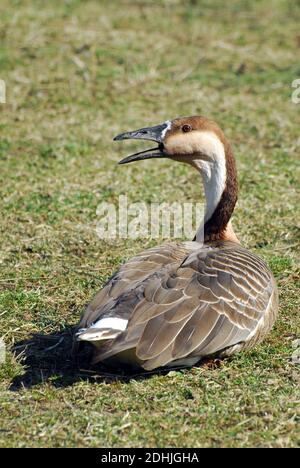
<point>177,303</point>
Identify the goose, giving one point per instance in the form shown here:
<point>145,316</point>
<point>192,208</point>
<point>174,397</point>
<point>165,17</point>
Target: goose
<point>178,303</point>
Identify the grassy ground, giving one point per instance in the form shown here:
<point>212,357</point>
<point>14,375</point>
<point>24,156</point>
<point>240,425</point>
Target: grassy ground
<point>77,73</point>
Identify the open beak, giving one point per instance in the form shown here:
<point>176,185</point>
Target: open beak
<point>155,133</point>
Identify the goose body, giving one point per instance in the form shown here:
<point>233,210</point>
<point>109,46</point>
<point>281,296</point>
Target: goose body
<point>175,304</point>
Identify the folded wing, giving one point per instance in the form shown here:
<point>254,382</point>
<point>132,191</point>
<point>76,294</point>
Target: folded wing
<point>193,304</point>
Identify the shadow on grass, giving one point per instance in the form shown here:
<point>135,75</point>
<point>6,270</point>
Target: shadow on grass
<point>52,358</point>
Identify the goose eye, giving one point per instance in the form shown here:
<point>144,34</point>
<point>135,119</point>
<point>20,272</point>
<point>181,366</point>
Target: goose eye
<point>186,128</point>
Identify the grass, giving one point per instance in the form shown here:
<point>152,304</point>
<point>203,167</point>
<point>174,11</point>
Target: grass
<point>77,73</point>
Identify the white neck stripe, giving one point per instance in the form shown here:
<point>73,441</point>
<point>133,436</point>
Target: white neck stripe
<point>213,172</point>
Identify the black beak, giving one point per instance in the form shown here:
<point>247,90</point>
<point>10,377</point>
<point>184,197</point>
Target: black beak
<point>155,133</point>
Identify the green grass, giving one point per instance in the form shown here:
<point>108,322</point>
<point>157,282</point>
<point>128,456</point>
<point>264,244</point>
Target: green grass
<point>77,73</point>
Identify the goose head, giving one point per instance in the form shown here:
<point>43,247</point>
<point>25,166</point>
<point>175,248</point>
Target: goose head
<point>200,142</point>
<point>191,140</point>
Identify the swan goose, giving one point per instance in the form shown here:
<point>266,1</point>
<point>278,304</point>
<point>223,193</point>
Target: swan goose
<point>175,304</point>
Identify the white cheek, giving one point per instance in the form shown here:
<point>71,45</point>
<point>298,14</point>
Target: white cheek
<point>195,143</point>
<point>211,146</point>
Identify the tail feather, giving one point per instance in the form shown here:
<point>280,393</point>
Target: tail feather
<point>97,334</point>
